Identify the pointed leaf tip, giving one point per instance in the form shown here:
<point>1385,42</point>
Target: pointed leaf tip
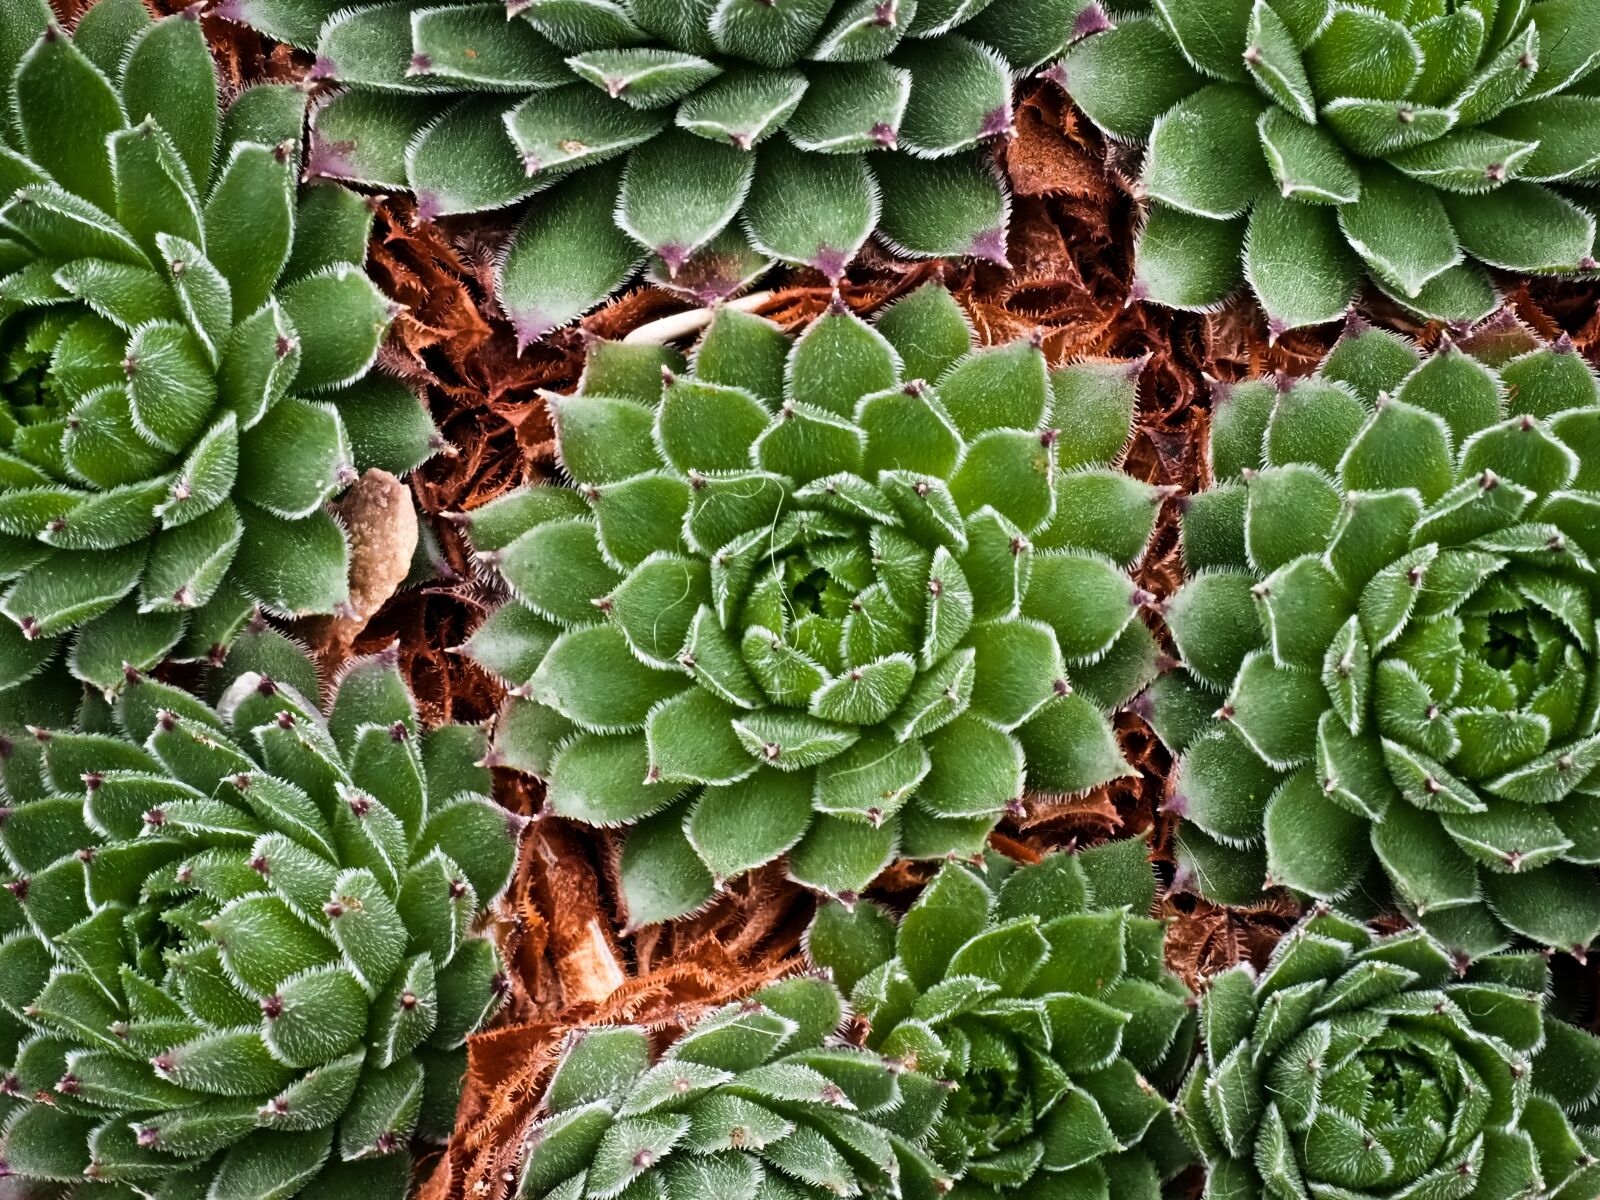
<point>1091,20</point>
<point>998,123</point>
<point>990,245</point>
<point>832,263</point>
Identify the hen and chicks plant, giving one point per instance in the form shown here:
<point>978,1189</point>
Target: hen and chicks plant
<point>1301,145</point>
<point>1036,1019</point>
<point>993,1045</point>
<point>1382,1068</point>
<point>1388,641</point>
<point>713,137</point>
<point>183,336</point>
<point>242,948</point>
<point>846,597</point>
<point>757,1098</point>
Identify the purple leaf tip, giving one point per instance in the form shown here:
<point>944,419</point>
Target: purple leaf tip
<point>997,123</point>
<point>1091,20</point>
<point>991,246</point>
<point>529,328</point>
<point>830,262</point>
<point>329,160</point>
<point>428,206</point>
<point>674,256</point>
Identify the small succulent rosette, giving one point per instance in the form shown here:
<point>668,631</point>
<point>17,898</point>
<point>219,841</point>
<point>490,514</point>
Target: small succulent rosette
<point>185,337</point>
<point>1388,641</point>
<point>758,1098</point>
<point>242,949</point>
<point>845,597</point>
<point>1301,146</point>
<point>711,139</point>
<point>1382,1068</point>
<point>1033,1011</point>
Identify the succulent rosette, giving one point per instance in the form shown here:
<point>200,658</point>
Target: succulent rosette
<point>241,953</point>
<point>1388,640</point>
<point>1035,1016</point>
<point>1379,1067</point>
<point>183,336</point>
<point>712,137</point>
<point>757,1098</point>
<point>1301,145</point>
<point>847,597</point>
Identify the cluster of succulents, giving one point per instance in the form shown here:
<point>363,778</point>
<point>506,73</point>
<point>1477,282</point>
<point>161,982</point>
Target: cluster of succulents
<point>183,340</point>
<point>1303,145</point>
<point>712,138</point>
<point>1036,1020</point>
<point>758,1097</point>
<point>241,952</point>
<point>844,597</point>
<point>1388,641</point>
<point>1357,1065</point>
<point>1014,1030</point>
<point>858,604</point>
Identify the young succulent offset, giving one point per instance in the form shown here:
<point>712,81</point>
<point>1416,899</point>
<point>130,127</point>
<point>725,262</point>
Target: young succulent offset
<point>1375,1067</point>
<point>802,601</point>
<point>714,136</point>
<point>241,957</point>
<point>181,336</point>
<point>1389,639</point>
<point>1303,144</point>
<point>1036,1018</point>
<point>759,1098</point>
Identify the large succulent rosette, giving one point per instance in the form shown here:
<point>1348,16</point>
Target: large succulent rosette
<point>1035,1017</point>
<point>1377,1068</point>
<point>1388,639</point>
<point>183,339</point>
<point>711,138</point>
<point>1297,146</point>
<point>845,597</point>
<point>241,948</point>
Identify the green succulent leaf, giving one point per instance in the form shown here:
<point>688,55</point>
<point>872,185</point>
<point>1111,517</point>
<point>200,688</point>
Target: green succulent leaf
<point>253,948</point>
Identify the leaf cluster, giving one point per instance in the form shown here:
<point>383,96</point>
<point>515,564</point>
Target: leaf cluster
<point>1388,642</point>
<point>1035,1016</point>
<point>1358,1065</point>
<point>1303,145</point>
<point>241,955</point>
<point>712,137</point>
<point>183,336</point>
<point>802,601</point>
<point>758,1098</point>
<point>996,1043</point>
